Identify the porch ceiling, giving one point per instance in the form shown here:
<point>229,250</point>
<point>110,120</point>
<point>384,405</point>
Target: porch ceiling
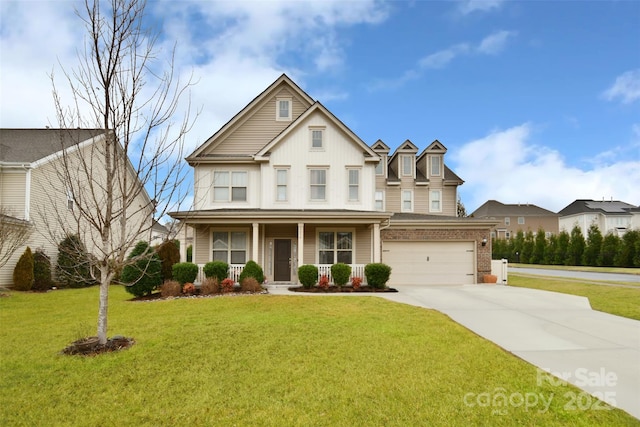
<point>274,216</point>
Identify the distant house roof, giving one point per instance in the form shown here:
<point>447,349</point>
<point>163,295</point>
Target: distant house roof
<point>613,207</point>
<point>493,208</point>
<point>30,145</point>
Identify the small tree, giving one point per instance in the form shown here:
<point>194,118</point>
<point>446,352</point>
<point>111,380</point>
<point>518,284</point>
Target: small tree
<point>41,271</point>
<point>626,252</point>
<point>562,245</point>
<point>23,272</point>
<point>593,247</point>
<point>340,273</point>
<point>169,254</point>
<point>528,247</point>
<point>537,257</point>
<point>576,246</point>
<point>610,245</point>
<point>14,233</point>
<point>74,268</point>
<point>252,269</point>
<point>145,275</point>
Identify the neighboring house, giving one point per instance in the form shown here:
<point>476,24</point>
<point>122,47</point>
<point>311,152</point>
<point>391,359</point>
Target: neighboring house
<point>515,217</point>
<point>159,233</point>
<point>610,216</point>
<point>286,183</point>
<point>31,189</point>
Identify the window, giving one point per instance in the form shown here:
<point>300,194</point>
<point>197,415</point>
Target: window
<point>318,184</point>
<point>379,200</point>
<point>435,197</point>
<point>230,246</point>
<point>316,138</point>
<point>407,201</point>
<point>520,220</point>
<point>381,165</point>
<point>70,199</point>
<point>435,165</point>
<point>507,220</point>
<point>507,235</point>
<point>335,246</point>
<point>354,184</point>
<point>283,109</point>
<point>407,165</point>
<point>229,186</point>
<point>281,185</point>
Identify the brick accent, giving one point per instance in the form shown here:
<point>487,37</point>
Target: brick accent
<point>483,253</point>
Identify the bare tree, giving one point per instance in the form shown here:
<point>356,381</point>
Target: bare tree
<point>120,90</point>
<point>14,233</point>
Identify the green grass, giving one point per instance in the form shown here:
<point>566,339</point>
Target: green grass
<point>621,301</point>
<point>263,360</point>
<point>618,270</point>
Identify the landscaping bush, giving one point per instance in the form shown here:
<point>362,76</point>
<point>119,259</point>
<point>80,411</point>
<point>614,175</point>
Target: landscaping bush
<point>144,274</point>
<point>377,274</point>
<point>356,282</point>
<point>41,271</point>
<point>23,272</point>
<point>217,269</point>
<point>169,254</point>
<point>323,283</point>
<point>340,273</point>
<point>170,288</point>
<point>189,289</point>
<point>250,284</point>
<point>185,272</point>
<point>252,269</point>
<point>226,285</point>
<point>209,286</point>
<point>308,275</point>
<point>74,266</point>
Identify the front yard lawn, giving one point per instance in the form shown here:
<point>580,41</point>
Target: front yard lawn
<point>266,360</point>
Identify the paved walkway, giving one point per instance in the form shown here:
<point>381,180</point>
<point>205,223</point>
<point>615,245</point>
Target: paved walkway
<point>598,352</point>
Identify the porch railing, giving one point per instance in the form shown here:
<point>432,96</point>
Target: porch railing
<point>357,270</point>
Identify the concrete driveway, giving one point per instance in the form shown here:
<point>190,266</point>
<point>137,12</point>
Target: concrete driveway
<point>558,333</point>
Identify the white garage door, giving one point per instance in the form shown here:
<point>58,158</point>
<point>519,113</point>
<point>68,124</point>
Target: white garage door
<point>430,263</point>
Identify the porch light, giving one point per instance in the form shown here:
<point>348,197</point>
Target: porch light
<point>484,242</point>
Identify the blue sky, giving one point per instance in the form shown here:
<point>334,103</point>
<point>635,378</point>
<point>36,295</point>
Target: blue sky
<point>537,102</point>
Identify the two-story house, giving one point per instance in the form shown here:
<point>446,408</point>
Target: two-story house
<point>517,217</point>
<point>286,183</point>
<point>611,216</point>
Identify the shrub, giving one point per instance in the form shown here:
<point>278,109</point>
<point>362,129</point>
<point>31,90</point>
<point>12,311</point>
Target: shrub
<point>252,269</point>
<point>41,271</point>
<point>209,286</point>
<point>323,283</point>
<point>250,284</point>
<point>217,269</point>
<point>23,272</point>
<point>170,288</point>
<point>169,254</point>
<point>226,285</point>
<point>308,275</point>
<point>74,266</point>
<point>144,274</point>
<point>340,273</point>
<point>189,289</point>
<point>356,282</point>
<point>185,272</point>
<point>377,274</point>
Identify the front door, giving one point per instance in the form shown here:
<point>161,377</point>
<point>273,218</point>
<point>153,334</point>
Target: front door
<point>282,260</point>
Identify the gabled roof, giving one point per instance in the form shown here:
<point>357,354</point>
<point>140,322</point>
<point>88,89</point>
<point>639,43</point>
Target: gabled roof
<point>493,208</point>
<point>31,145</point>
<point>405,147</point>
<point>436,147</point>
<point>246,111</point>
<point>613,207</point>
<point>263,154</point>
<point>381,146</point>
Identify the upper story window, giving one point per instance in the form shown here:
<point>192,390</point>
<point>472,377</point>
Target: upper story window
<point>407,201</point>
<point>435,165</point>
<point>507,220</point>
<point>229,186</point>
<point>317,137</point>
<point>407,165</point>
<point>283,109</point>
<point>520,220</point>
<point>281,184</point>
<point>379,200</point>
<point>70,199</point>
<point>230,246</point>
<point>381,165</point>
<point>318,184</point>
<point>354,184</point>
<point>435,200</point>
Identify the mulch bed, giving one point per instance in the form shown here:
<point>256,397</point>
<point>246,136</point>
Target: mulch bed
<point>91,347</point>
<point>344,290</point>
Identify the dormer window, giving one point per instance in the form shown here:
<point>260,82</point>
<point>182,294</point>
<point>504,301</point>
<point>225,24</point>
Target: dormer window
<point>381,166</point>
<point>407,165</point>
<point>283,109</point>
<point>435,165</point>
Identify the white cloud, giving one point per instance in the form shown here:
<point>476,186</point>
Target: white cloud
<point>443,57</point>
<point>506,166</point>
<point>626,87</point>
<point>469,6</point>
<point>495,43</point>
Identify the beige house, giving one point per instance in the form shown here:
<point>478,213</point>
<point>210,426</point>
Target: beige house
<point>31,189</point>
<point>286,183</point>
<point>517,217</point>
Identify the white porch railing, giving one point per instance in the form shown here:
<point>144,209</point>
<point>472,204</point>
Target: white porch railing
<point>357,270</point>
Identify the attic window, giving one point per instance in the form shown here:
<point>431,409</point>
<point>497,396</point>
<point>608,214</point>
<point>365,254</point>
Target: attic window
<point>407,165</point>
<point>283,109</point>
<point>435,165</point>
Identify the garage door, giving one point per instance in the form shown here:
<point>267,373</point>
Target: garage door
<point>430,263</point>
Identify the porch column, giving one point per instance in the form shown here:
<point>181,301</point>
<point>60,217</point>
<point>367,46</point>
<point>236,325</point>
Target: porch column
<point>300,244</point>
<point>183,244</point>
<point>376,242</point>
<point>256,241</point>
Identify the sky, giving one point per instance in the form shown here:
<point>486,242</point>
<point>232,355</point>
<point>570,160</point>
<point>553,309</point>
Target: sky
<point>536,101</point>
